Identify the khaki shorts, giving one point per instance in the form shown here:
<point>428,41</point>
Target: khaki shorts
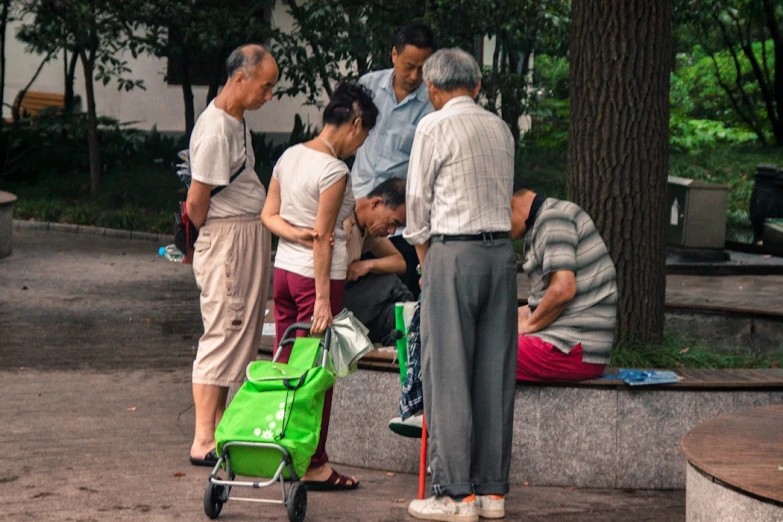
<point>232,268</point>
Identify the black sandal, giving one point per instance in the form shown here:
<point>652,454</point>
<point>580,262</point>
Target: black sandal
<point>210,459</point>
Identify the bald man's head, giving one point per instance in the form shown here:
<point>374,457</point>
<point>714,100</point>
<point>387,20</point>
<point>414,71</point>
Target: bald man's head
<point>245,58</point>
<point>253,71</point>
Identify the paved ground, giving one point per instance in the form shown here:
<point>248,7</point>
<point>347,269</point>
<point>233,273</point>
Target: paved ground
<point>96,339</point>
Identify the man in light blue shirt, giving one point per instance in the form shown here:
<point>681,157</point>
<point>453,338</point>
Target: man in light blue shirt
<point>402,100</point>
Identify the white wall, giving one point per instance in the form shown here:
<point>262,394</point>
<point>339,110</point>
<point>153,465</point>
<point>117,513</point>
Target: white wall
<point>160,105</point>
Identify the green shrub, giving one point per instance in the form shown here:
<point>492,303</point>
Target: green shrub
<point>688,135</point>
<point>48,168</point>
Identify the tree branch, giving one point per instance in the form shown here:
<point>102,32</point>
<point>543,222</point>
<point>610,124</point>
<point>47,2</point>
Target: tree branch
<point>750,121</point>
<point>737,66</point>
<point>15,114</point>
<point>297,12</point>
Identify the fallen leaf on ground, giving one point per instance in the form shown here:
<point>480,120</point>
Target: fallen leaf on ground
<point>400,500</point>
<point>685,350</point>
<point>179,474</point>
<point>131,409</point>
<point>21,369</point>
<point>679,364</point>
<point>526,484</point>
<point>389,474</point>
<point>147,319</point>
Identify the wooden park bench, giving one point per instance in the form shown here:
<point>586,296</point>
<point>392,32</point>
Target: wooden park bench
<point>33,102</point>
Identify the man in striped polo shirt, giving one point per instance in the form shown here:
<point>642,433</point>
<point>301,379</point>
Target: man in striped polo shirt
<point>567,329</point>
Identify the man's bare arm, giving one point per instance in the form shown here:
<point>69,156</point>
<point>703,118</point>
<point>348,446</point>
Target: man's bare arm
<point>561,291</point>
<point>198,202</point>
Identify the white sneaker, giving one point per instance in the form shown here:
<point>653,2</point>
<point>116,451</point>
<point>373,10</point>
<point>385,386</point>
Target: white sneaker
<point>490,506</point>
<point>443,508</point>
<point>410,427</point>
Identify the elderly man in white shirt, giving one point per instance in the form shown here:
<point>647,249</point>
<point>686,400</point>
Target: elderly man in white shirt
<point>458,216</point>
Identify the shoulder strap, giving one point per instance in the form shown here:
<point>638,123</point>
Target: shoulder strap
<point>216,190</point>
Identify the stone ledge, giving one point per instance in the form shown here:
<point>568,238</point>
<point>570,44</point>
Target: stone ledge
<point>20,224</point>
<point>563,436</point>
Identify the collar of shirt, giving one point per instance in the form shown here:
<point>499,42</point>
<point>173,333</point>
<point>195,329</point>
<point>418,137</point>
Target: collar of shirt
<point>459,101</point>
<point>421,94</point>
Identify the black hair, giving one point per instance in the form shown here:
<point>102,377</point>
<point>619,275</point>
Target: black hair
<point>519,185</point>
<point>392,191</point>
<point>349,101</point>
<point>245,58</point>
<point>417,35</point>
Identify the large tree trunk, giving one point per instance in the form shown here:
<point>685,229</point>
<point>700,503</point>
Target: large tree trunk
<point>618,146</point>
<point>88,65</point>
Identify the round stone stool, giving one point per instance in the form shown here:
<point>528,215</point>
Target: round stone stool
<point>6,222</point>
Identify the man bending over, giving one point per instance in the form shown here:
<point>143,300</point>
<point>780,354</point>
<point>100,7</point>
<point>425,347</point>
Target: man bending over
<point>567,329</point>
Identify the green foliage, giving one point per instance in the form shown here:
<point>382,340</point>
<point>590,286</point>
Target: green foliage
<point>549,105</point>
<point>702,110</point>
<point>730,48</point>
<point>678,352</point>
<point>99,31</point>
<point>544,169</point>
<point>689,135</point>
<point>335,41</point>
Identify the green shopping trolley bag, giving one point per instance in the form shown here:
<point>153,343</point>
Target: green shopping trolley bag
<point>280,403</point>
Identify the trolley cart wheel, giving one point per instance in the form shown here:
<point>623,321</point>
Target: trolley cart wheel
<point>213,502</point>
<point>297,502</point>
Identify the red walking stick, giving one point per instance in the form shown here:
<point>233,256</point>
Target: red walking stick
<point>423,458</point>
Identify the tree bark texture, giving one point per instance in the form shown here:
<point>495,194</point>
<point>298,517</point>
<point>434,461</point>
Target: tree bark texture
<point>88,65</point>
<point>618,146</point>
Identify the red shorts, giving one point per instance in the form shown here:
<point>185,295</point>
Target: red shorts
<point>540,361</point>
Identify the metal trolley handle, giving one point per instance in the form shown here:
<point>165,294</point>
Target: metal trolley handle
<point>288,338</point>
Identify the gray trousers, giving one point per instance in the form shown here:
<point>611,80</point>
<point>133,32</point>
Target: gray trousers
<point>468,333</point>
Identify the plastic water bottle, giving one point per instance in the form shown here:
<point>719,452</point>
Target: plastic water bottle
<point>171,252</point>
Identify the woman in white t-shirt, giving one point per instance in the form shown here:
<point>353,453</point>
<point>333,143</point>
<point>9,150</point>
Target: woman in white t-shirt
<point>309,197</point>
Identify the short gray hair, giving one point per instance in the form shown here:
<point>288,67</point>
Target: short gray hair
<point>245,58</point>
<point>452,69</point>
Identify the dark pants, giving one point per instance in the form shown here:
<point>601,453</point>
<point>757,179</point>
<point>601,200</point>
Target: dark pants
<point>372,299</point>
<point>410,277</point>
<point>295,303</point>
<point>468,364</point>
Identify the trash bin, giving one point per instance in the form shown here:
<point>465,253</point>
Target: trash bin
<point>696,213</point>
<point>766,200</point>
